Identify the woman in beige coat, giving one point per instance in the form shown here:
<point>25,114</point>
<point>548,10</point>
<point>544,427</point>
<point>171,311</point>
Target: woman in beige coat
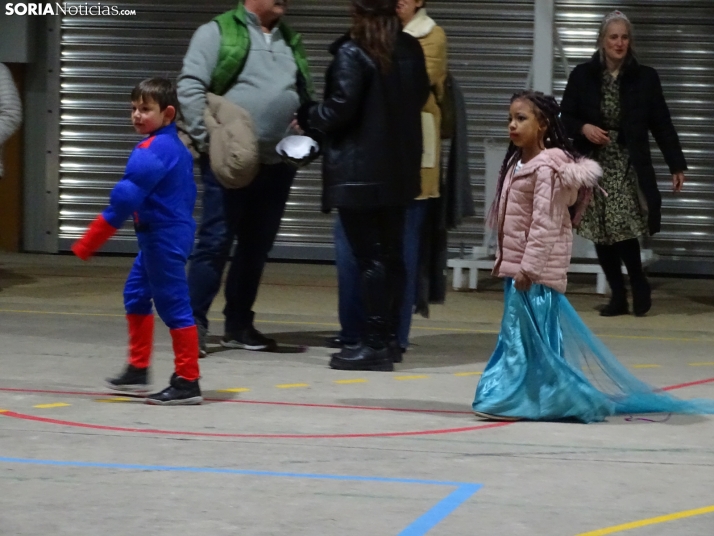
<point>433,41</point>
<point>432,38</point>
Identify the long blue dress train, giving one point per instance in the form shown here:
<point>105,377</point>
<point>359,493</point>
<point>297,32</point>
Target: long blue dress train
<point>548,365</point>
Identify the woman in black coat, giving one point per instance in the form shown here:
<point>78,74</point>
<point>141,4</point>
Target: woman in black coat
<point>370,128</point>
<point>610,105</point>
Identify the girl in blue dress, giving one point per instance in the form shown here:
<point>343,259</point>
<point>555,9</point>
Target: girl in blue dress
<point>547,364</point>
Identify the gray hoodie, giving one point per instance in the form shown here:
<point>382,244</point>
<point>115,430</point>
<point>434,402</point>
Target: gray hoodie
<point>266,88</point>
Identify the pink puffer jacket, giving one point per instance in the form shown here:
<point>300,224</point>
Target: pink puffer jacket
<point>535,234</point>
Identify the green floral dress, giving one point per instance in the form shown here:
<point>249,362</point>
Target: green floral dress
<point>620,215</point>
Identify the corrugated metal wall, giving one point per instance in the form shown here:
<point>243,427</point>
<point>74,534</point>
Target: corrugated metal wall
<point>677,38</point>
<point>490,46</point>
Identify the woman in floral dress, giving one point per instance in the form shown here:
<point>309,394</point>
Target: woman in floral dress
<point>610,105</point>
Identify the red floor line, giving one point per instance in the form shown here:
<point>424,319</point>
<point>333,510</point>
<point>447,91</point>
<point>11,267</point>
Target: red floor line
<point>259,402</point>
<point>23,416</point>
<point>689,384</point>
<point>46,420</point>
<point>338,406</point>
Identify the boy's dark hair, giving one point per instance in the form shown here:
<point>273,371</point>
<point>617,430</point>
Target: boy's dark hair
<point>547,111</point>
<point>160,90</point>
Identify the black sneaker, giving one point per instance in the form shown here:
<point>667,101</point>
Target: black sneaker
<point>248,339</point>
<point>364,358</point>
<point>180,392</point>
<point>132,380</point>
<point>334,341</point>
<point>202,336</point>
<point>396,351</point>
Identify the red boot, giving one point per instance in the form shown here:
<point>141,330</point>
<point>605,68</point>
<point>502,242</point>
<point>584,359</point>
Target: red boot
<point>141,340</point>
<point>135,377</point>
<point>185,342</point>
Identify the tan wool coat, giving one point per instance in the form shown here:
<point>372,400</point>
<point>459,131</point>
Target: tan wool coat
<point>433,41</point>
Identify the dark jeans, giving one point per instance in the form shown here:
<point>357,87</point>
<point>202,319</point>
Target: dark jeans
<point>375,237</point>
<point>350,306</point>
<point>252,215</point>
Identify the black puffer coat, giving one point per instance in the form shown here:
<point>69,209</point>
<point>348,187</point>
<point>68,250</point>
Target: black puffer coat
<point>370,126</point>
<point>643,109</point>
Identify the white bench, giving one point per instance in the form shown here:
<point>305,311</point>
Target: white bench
<point>584,257</point>
<point>479,260</point>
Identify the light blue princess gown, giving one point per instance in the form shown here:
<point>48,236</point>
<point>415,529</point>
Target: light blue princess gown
<point>548,365</point>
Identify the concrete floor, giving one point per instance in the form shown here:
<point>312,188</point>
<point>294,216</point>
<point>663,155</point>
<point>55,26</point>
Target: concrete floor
<point>285,445</point>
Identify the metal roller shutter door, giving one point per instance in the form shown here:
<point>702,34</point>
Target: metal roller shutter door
<point>101,60</point>
<point>490,44</point>
<point>677,38</point>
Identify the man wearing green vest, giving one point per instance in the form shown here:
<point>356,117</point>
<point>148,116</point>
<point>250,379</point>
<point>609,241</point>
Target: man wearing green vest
<point>255,60</point>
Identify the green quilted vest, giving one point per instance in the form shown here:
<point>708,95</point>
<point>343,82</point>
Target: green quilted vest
<point>235,45</point>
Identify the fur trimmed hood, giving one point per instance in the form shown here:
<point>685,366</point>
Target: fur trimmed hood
<point>421,25</point>
<point>581,173</point>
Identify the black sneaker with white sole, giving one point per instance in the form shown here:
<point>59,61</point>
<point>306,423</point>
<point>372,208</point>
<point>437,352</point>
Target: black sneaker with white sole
<point>248,339</point>
<point>180,392</point>
<point>132,380</point>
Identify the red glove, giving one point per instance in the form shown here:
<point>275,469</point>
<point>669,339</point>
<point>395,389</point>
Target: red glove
<point>99,232</point>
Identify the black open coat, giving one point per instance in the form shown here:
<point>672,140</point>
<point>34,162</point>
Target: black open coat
<point>370,126</point>
<point>643,110</point>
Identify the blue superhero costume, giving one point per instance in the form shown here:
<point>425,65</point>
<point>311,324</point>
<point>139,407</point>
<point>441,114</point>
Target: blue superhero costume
<point>159,192</point>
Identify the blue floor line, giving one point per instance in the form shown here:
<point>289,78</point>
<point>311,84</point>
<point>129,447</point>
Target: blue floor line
<point>223,470</point>
<point>441,511</point>
<point>464,491</point>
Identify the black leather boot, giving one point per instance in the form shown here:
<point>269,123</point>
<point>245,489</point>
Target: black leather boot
<point>641,296</point>
<point>617,305</point>
<point>395,350</point>
<point>363,358</point>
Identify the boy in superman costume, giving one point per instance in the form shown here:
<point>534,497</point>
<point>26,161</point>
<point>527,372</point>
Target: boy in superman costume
<point>159,192</point>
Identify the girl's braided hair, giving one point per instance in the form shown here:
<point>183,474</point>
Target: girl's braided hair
<point>547,110</point>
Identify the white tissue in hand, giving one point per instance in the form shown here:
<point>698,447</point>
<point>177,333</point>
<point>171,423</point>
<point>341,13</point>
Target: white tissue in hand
<point>297,147</point>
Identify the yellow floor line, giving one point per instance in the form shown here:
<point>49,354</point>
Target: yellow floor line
<point>291,385</point>
<point>59,313</point>
<point>701,364</point>
<point>48,406</point>
<point>468,373</point>
<point>234,390</point>
<point>651,521</point>
<point>335,325</point>
<point>414,377</point>
<point>357,380</point>
<point>646,366</point>
<point>646,338</point>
